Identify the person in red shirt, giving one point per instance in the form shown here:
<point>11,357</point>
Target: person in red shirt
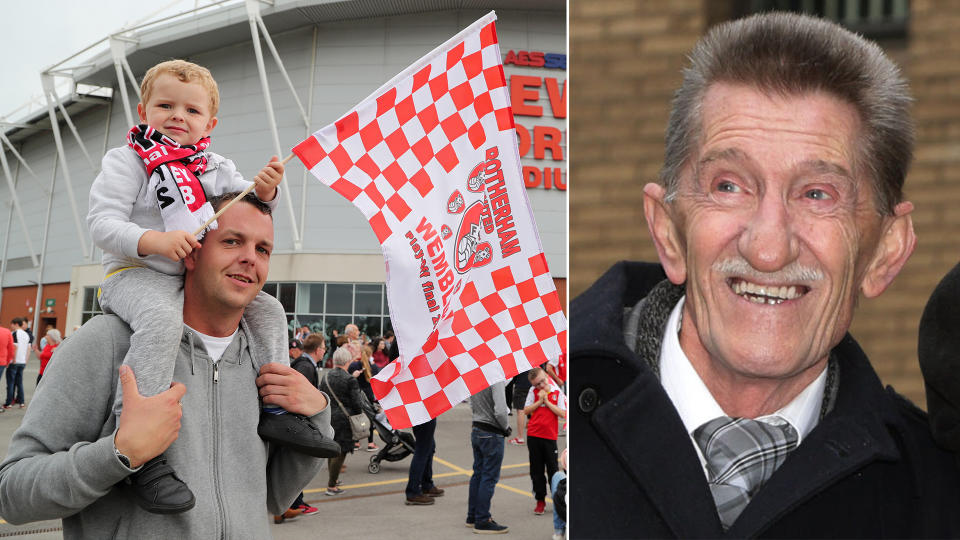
<point>545,405</point>
<point>7,351</point>
<point>380,356</point>
<point>53,340</point>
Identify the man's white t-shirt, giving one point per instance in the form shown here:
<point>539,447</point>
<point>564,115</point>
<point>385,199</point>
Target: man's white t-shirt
<point>23,346</point>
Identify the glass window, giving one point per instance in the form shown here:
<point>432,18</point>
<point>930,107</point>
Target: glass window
<point>368,325</point>
<point>338,323</point>
<point>368,298</point>
<point>310,297</point>
<point>339,298</point>
<point>324,307</point>
<point>876,19</point>
<point>313,322</point>
<point>91,304</point>
<point>288,296</point>
<point>271,289</point>
<point>387,325</point>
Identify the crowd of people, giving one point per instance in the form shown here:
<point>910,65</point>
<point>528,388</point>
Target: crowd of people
<point>344,371</point>
<point>16,344</point>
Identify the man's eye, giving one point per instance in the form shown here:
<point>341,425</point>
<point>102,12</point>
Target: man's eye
<point>263,250</point>
<point>818,195</point>
<point>230,241</point>
<point>727,187</point>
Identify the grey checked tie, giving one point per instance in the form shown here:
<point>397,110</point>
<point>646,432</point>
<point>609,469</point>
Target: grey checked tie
<point>741,456</point>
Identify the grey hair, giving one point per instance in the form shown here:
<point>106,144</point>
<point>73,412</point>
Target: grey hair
<point>54,335</point>
<point>790,54</point>
<point>342,356</point>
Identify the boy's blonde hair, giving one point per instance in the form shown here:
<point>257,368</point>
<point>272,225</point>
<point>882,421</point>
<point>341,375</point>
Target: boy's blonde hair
<point>185,72</point>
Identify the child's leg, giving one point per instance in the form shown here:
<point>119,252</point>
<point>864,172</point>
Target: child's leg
<point>268,335</point>
<point>151,303</point>
<point>268,343</point>
<point>538,460</point>
<point>550,458</point>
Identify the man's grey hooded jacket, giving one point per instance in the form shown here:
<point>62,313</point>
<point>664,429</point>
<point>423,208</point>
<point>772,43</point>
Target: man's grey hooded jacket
<point>61,462</point>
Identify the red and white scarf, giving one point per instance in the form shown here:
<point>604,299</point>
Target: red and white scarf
<point>174,171</point>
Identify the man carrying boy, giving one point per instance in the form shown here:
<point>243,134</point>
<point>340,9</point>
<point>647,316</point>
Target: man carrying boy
<point>545,405</point>
<point>70,452</point>
<point>145,206</point>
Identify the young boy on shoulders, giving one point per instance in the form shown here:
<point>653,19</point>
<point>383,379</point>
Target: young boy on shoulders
<point>146,203</point>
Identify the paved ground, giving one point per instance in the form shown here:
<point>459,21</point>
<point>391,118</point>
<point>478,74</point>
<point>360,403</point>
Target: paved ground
<point>372,505</point>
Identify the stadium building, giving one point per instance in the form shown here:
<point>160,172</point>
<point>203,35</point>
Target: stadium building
<point>285,69</point>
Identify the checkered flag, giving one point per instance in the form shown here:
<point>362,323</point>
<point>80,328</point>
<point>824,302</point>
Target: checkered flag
<point>431,160</point>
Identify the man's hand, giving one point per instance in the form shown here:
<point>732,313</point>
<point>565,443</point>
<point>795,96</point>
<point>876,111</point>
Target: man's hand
<point>268,179</point>
<point>286,387</point>
<point>148,425</point>
<point>174,245</point>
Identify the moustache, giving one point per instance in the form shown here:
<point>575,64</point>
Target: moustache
<point>794,272</point>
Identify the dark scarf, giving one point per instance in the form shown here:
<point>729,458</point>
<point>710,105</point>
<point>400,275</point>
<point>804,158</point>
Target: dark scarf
<point>174,172</point>
<point>644,324</point>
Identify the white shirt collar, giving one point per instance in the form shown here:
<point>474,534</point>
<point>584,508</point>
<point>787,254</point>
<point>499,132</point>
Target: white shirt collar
<point>696,404</point>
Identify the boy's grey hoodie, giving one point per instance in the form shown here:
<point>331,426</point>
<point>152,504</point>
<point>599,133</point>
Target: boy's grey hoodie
<point>122,207</point>
<point>61,462</point>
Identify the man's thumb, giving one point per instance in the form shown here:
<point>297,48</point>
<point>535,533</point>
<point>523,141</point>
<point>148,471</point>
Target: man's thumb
<point>128,383</point>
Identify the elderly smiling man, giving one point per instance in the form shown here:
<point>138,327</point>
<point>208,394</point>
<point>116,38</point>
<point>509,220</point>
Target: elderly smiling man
<point>719,394</point>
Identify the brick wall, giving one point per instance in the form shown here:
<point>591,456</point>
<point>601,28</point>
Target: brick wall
<point>626,58</point>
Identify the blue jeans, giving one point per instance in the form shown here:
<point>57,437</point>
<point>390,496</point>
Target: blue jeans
<point>558,524</point>
<point>14,383</point>
<point>421,466</point>
<point>487,458</point>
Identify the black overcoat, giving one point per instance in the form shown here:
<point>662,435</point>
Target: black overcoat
<point>869,469</point>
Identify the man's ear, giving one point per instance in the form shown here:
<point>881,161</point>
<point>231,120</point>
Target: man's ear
<point>190,261</point>
<point>663,229</point>
<point>896,243</point>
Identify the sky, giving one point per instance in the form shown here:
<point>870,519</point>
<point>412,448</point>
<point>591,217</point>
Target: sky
<point>35,34</point>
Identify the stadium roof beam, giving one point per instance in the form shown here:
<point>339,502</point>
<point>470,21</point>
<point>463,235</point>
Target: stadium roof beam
<point>23,162</point>
<point>16,206</point>
<point>43,249</point>
<point>306,130</point>
<point>253,14</point>
<point>49,91</point>
<point>76,134</point>
<point>118,48</point>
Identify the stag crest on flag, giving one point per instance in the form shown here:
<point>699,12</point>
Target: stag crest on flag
<point>431,160</point>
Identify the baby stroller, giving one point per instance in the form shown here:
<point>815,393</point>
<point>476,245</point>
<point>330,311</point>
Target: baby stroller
<point>397,444</point>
